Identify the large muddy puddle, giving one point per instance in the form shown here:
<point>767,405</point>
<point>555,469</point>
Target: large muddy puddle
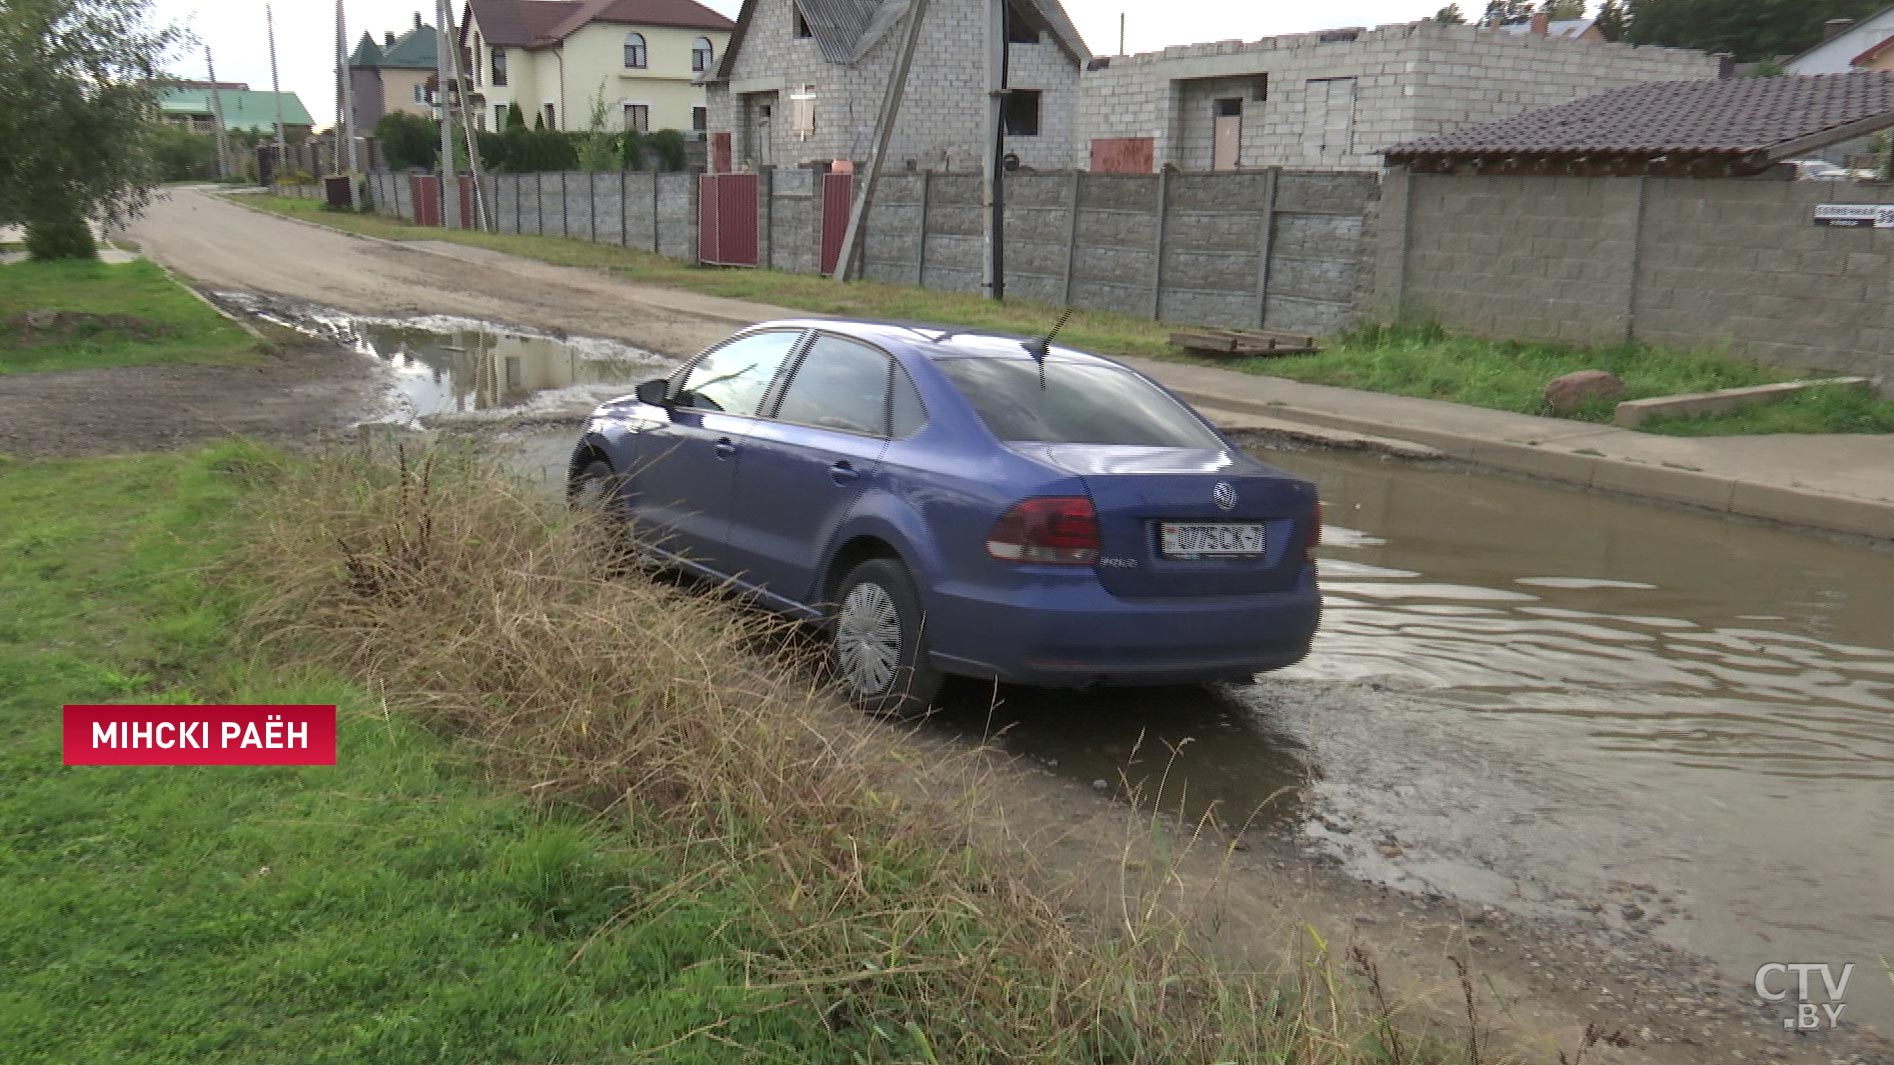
<point>1560,703</point>
<point>442,369</point>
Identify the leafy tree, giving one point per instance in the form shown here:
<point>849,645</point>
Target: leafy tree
<point>1450,16</point>
<point>408,141</point>
<point>598,147</point>
<point>1503,12</point>
<point>1612,21</point>
<point>80,83</point>
<point>1563,10</point>
<point>515,119</point>
<point>1752,30</point>
<point>631,150</point>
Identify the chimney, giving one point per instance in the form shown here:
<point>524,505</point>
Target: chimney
<point>1835,27</point>
<point>388,39</point>
<point>1541,24</point>
<point>1725,65</point>
<point>417,20</point>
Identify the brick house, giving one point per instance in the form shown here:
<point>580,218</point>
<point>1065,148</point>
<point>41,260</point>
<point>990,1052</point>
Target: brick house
<point>555,58</point>
<point>392,75</point>
<point>1335,100</point>
<point>802,82</point>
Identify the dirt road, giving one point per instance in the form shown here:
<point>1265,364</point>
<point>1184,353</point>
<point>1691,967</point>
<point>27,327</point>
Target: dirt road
<point>225,246</point>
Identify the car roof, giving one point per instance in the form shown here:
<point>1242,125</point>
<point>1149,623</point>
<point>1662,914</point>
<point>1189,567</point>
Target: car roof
<point>935,341</point>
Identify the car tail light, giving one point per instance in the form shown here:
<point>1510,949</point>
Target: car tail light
<point>1315,533</point>
<point>1056,530</point>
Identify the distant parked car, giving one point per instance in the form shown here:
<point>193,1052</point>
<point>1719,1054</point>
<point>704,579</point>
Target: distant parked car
<point>962,503</point>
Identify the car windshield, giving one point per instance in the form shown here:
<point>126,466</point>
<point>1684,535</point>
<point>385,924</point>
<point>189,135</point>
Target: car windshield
<point>1080,404</point>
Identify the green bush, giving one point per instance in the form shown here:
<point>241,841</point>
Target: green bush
<point>60,231</point>
<point>408,141</point>
<point>180,154</point>
<point>667,148</point>
<point>515,118</point>
<point>631,150</point>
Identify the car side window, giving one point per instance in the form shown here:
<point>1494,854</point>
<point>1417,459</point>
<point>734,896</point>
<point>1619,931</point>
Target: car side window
<point>905,415</point>
<point>840,384</point>
<point>734,378</point>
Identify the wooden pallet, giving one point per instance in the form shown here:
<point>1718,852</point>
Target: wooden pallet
<point>1244,343</point>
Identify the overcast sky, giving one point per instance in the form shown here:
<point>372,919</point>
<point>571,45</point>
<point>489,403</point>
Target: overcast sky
<point>305,30</point>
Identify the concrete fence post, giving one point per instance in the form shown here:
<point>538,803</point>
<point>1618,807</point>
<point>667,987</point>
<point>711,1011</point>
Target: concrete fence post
<point>1638,217</point>
<point>765,215</point>
<point>920,247</point>
<point>1071,235</point>
<point>539,202</point>
<point>1405,185</point>
<point>565,206</point>
<point>657,235</point>
<point>624,204</point>
<point>591,207</point>
<point>1265,244</point>
<point>1157,264</point>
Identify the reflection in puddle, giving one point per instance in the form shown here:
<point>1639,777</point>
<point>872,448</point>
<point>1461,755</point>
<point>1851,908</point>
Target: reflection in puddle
<point>462,368</point>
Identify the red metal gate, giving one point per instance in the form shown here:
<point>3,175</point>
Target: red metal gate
<point>426,191</point>
<point>838,193</point>
<point>726,219</point>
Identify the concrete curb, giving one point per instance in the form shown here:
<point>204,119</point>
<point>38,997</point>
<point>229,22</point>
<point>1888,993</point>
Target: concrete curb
<point>1850,515</point>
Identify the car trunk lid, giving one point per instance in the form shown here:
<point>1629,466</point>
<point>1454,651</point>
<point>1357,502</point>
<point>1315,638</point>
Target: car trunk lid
<point>1138,490</point>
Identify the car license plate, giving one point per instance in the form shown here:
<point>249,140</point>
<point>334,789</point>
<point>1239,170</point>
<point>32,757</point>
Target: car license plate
<point>1210,539</point>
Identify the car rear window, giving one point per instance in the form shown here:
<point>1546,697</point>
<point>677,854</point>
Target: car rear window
<point>1079,404</point>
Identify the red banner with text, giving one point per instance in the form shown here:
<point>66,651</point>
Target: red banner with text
<point>200,735</point>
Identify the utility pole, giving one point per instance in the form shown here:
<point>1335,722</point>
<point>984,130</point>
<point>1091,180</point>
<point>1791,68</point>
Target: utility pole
<point>1121,33</point>
<point>276,88</point>
<point>345,107</point>
<point>994,272</point>
<point>884,128</point>
<point>482,221</point>
<point>441,45</point>
<point>217,116</point>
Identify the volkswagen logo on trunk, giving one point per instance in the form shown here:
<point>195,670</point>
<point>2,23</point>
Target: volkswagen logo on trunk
<point>1224,495</point>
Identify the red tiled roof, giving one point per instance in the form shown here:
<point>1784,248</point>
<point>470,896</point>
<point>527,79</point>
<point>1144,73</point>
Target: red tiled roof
<point>1764,117</point>
<point>537,23</point>
<point>519,23</point>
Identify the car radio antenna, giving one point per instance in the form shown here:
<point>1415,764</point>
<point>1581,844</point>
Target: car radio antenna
<point>1038,347</point>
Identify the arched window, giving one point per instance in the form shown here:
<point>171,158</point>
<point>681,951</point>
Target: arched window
<point>634,51</point>
<point>702,53</point>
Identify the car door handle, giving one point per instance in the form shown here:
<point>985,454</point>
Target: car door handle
<point>843,473</point>
<point>725,448</point>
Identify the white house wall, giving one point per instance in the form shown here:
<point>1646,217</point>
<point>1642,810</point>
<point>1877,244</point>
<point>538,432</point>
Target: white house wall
<point>1832,56</point>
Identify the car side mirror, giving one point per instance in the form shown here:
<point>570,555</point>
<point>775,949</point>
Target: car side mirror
<point>656,392</point>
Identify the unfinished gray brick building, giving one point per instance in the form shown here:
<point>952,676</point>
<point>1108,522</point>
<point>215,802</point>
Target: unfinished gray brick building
<point>802,81</point>
<point>1336,100</point>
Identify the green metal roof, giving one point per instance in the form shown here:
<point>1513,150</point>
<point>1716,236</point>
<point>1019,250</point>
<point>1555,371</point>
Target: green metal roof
<point>415,50</point>
<point>243,108</point>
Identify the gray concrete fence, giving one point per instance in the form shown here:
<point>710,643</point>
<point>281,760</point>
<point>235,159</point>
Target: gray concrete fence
<point>1274,249</point>
<point>1731,265</point>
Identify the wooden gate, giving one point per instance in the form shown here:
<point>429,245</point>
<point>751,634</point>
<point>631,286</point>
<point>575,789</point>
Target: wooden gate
<point>426,191</point>
<point>838,194</point>
<point>726,219</point>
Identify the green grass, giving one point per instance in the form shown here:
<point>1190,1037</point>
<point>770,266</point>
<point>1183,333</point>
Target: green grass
<point>1424,362</point>
<point>173,326</point>
<point>393,908</point>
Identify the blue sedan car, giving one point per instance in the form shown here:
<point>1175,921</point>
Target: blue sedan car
<point>963,503</point>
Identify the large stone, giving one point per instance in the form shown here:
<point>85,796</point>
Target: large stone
<point>1567,394</point>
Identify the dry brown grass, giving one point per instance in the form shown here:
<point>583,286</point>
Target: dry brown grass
<point>696,727</point>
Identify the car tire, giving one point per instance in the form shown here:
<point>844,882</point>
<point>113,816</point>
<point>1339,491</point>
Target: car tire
<point>875,645</point>
<point>593,487</point>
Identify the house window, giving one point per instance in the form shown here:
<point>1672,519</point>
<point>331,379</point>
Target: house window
<point>638,117</point>
<point>700,118</point>
<point>802,25</point>
<point>499,116</point>
<point>499,66</point>
<point>802,112</point>
<point>1229,107</point>
<point>1019,110</point>
<point>701,54</point>
<point>1331,115</point>
<point>473,56</point>
<point>420,93</point>
<point>634,51</point>
<point>1018,29</point>
<point>552,117</point>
